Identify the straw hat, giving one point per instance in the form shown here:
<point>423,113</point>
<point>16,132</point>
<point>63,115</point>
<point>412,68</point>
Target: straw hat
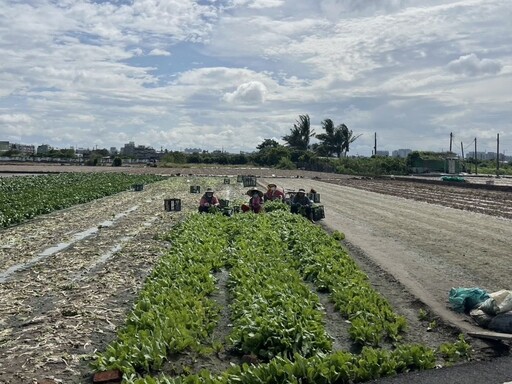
<point>209,190</point>
<point>301,190</point>
<point>251,192</point>
<point>271,185</point>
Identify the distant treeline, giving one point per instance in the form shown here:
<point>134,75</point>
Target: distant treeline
<point>283,157</point>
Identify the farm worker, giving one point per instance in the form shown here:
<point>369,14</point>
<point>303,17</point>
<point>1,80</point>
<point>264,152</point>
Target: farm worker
<point>207,201</point>
<point>273,193</point>
<point>311,194</point>
<point>255,202</point>
<point>302,204</point>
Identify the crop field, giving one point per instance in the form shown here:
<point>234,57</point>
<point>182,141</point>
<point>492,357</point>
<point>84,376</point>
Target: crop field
<point>118,283</point>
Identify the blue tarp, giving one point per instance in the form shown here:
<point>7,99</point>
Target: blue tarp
<point>465,299</point>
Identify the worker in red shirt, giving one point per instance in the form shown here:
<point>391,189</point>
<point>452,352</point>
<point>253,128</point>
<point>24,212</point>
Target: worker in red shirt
<point>273,193</point>
<point>208,200</point>
<point>255,202</point>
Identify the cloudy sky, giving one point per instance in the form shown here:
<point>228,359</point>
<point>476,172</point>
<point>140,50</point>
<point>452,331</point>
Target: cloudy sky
<point>227,74</point>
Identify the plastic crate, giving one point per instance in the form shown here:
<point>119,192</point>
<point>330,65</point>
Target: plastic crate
<point>314,197</point>
<point>249,181</point>
<point>138,187</point>
<point>318,212</point>
<point>195,189</point>
<point>171,205</point>
<point>288,197</point>
<point>227,212</point>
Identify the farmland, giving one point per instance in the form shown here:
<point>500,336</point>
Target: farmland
<point>62,304</point>
<point>29,197</point>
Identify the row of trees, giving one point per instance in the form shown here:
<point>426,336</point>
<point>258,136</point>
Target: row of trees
<point>298,152</point>
<point>335,141</point>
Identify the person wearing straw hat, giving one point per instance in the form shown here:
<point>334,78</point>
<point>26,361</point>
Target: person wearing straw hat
<point>208,200</point>
<point>273,193</point>
<point>302,204</point>
<point>255,202</point>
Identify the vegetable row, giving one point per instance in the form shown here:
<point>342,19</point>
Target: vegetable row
<point>273,311</point>
<point>321,259</point>
<point>271,259</point>
<point>25,197</point>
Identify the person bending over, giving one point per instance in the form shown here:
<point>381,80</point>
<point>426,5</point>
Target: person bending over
<point>301,204</point>
<point>208,200</point>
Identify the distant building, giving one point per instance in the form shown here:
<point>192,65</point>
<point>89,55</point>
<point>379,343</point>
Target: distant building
<point>193,150</point>
<point>128,150</point>
<point>479,155</point>
<point>43,149</point>
<point>138,152</point>
<point>4,146</point>
<point>382,153</point>
<point>492,156</point>
<point>113,151</point>
<point>24,149</point>
<point>402,153</point>
<point>82,152</point>
<point>435,162</point>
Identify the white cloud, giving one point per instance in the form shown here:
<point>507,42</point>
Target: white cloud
<point>253,92</point>
<point>74,70</point>
<point>15,118</point>
<point>159,52</point>
<point>472,65</point>
<point>137,52</point>
<point>260,4</point>
<point>84,118</point>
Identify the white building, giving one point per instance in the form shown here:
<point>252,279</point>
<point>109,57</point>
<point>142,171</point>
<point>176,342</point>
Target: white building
<point>401,153</point>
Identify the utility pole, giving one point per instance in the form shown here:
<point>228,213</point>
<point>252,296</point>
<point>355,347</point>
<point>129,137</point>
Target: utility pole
<point>498,155</point>
<point>462,156</point>
<point>451,140</point>
<point>476,160</point>
<point>375,147</point>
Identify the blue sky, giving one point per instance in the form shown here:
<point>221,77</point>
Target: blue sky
<point>228,74</point>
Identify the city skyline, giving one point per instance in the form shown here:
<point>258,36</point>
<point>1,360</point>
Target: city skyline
<point>230,73</point>
<point>128,148</point>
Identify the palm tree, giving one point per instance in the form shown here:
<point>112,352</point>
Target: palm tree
<point>300,133</point>
<point>335,139</point>
<point>348,138</point>
<point>332,139</point>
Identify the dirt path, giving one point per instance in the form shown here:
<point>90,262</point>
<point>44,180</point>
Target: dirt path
<point>428,248</point>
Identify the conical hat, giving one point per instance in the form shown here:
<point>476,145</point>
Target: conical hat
<point>252,191</point>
